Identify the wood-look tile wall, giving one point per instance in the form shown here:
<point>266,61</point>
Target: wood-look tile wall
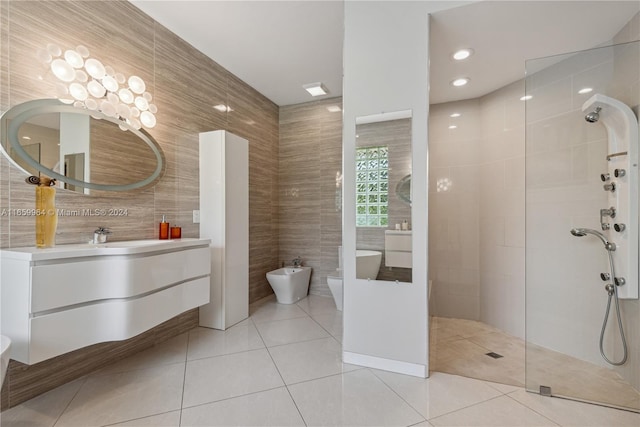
<point>310,210</point>
<point>185,85</point>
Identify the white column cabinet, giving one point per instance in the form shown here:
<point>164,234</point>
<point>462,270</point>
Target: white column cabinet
<point>224,219</point>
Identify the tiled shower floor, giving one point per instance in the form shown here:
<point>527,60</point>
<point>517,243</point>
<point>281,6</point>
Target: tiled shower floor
<point>459,347</point>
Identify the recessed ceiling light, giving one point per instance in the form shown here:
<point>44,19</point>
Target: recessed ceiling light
<point>460,82</point>
<point>462,54</point>
<point>26,137</point>
<point>454,115</point>
<point>316,89</point>
<point>585,90</point>
<point>526,97</point>
<point>334,108</point>
<point>453,127</point>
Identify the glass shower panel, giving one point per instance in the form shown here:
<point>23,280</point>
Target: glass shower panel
<point>569,220</point>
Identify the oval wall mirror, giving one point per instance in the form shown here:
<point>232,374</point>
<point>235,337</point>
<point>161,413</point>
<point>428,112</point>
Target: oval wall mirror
<point>84,150</point>
<point>403,189</point>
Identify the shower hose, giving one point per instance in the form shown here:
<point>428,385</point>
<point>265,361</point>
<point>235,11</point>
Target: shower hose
<point>613,294</point>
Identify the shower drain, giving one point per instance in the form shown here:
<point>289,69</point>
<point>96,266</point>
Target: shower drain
<point>494,355</point>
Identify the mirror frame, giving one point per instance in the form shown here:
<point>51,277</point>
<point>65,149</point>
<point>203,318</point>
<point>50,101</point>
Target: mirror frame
<point>21,113</point>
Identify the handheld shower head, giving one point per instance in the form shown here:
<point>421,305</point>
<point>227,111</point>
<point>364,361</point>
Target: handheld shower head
<point>580,232</point>
<point>593,116</point>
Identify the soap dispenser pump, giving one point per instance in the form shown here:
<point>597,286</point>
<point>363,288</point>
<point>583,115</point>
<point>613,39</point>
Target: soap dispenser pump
<point>164,229</point>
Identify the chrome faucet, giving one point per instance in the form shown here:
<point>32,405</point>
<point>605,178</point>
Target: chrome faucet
<point>297,261</point>
<point>100,235</point>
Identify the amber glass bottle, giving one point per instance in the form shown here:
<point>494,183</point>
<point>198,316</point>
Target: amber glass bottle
<point>164,230</point>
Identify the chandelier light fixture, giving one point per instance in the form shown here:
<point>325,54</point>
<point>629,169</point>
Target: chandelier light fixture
<point>86,83</point>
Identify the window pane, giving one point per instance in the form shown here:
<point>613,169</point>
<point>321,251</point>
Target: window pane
<point>372,177</point>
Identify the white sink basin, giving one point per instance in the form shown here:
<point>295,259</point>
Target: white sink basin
<point>108,248</point>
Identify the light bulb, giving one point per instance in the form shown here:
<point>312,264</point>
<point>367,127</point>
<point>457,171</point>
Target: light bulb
<point>94,68</point>
<point>108,108</point>
<point>120,78</point>
<point>91,104</point>
<point>135,123</point>
<point>113,98</point>
<point>148,119</point>
<point>61,90</point>
<point>109,70</point>
<point>82,51</point>
<point>147,96</point>
<point>81,76</point>
<point>153,108</point>
<point>78,91</point>
<point>62,70</point>
<point>141,103</point>
<point>135,112</point>
<point>125,96</point>
<point>110,83</point>
<point>96,89</point>
<point>137,85</point>
<point>74,58</point>
<point>123,111</point>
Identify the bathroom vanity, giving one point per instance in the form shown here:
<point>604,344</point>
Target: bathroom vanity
<point>397,248</point>
<point>60,299</point>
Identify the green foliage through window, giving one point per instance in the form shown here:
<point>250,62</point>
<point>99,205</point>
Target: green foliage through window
<point>372,186</point>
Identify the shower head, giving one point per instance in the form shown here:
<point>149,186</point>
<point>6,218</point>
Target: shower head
<point>580,232</point>
<point>593,116</point>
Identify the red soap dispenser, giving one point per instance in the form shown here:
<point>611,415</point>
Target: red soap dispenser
<point>164,230</point>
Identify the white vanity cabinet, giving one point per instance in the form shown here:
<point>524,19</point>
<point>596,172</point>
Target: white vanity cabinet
<point>64,298</point>
<point>397,249</point>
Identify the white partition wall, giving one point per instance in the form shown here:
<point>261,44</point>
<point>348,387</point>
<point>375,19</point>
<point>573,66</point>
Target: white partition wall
<point>224,218</point>
<point>386,70</point>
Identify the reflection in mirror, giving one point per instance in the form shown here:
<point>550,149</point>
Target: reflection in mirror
<point>84,150</point>
<point>403,189</point>
<point>383,162</point>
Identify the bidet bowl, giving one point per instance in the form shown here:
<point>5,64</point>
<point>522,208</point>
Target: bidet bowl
<point>290,284</point>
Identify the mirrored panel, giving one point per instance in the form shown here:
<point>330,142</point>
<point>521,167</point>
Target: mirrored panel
<point>383,195</point>
<point>83,149</point>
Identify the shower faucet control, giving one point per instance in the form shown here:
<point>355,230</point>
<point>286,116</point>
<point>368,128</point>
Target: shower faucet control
<point>619,173</point>
<point>605,177</point>
<point>619,281</point>
<point>610,187</point>
<point>611,212</point>
<point>605,276</point>
<point>619,227</point>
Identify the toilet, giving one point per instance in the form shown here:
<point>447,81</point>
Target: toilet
<point>335,286</point>
<point>290,284</point>
<point>5,347</point>
<point>335,282</point>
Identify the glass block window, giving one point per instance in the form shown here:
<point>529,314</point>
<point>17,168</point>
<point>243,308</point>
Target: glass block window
<point>372,186</point>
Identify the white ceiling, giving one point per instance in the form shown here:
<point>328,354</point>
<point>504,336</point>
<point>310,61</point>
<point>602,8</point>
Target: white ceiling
<point>277,46</point>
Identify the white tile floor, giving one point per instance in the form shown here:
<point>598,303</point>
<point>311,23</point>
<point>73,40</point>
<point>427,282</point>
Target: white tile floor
<point>282,367</point>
